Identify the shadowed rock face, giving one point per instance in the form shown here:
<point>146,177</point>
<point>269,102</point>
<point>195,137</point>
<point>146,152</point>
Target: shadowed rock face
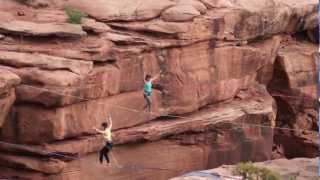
<point>7,95</point>
<point>58,80</point>
<point>295,78</point>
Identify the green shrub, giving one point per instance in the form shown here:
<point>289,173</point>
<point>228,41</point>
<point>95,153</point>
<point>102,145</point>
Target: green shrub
<point>74,16</point>
<point>267,174</point>
<point>250,172</point>
<point>292,178</point>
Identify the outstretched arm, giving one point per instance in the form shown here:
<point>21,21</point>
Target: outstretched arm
<point>110,122</point>
<point>144,77</point>
<point>99,131</point>
<point>156,76</point>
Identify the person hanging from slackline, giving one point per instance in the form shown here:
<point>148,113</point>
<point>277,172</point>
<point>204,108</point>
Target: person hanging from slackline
<point>106,132</point>
<point>147,90</point>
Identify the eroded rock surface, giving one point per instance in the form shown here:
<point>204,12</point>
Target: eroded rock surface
<point>58,80</point>
<point>75,120</point>
<point>44,62</point>
<point>294,87</point>
<point>35,29</point>
<point>216,132</point>
<point>8,81</point>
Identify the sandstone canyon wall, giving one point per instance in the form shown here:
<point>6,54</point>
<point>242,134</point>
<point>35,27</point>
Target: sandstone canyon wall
<point>224,66</point>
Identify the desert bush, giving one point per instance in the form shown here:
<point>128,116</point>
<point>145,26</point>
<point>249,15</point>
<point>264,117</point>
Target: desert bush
<point>74,16</point>
<point>248,171</point>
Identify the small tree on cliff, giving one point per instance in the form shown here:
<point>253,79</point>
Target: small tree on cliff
<point>74,16</point>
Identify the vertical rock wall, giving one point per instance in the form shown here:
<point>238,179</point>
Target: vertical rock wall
<point>216,59</point>
<point>294,88</point>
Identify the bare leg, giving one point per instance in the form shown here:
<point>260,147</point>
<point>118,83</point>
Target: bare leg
<point>147,99</point>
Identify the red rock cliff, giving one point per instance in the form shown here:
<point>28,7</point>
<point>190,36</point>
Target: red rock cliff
<point>223,63</point>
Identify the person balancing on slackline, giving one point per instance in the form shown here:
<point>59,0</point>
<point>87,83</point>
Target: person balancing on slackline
<point>147,90</point>
<point>106,133</point>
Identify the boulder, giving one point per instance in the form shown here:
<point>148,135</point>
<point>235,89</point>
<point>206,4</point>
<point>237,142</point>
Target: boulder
<point>180,13</point>
<point>94,26</point>
<point>28,28</point>
<point>195,3</point>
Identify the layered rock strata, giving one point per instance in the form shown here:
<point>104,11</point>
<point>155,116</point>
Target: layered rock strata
<point>210,135</point>
<point>210,105</point>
